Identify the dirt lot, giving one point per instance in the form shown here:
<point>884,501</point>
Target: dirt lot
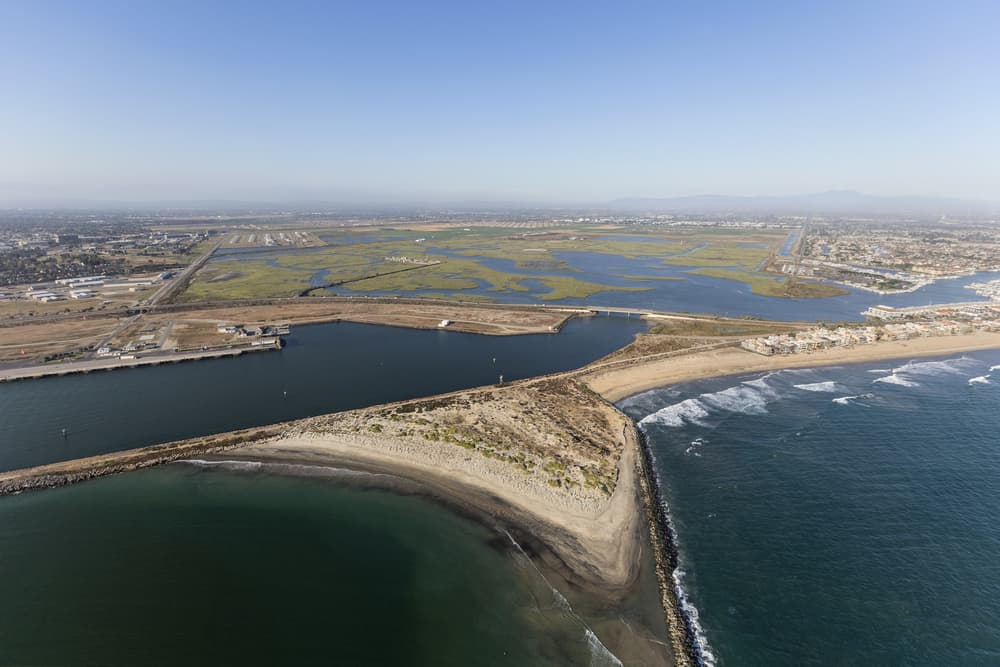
<point>493,321</point>
<point>38,340</point>
<point>197,327</point>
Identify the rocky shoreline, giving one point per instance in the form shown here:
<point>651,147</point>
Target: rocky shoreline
<point>54,475</point>
<point>662,536</point>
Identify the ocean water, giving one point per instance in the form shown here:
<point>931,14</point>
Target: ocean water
<point>837,516</point>
<point>187,564</point>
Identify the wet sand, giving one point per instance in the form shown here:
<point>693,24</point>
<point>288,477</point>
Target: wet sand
<point>621,605</point>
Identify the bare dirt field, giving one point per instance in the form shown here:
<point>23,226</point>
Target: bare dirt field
<point>38,340</point>
<point>495,321</point>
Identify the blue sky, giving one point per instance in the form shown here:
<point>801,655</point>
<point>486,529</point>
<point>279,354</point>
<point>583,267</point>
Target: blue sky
<point>549,102</point>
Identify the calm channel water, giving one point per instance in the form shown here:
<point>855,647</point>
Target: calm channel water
<point>324,368</point>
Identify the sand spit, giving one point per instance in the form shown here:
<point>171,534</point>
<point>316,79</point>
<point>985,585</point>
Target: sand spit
<point>619,382</point>
<point>547,460</point>
<point>550,453</point>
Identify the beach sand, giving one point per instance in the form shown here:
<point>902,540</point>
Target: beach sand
<point>589,545</point>
<point>617,383</point>
<point>595,538</point>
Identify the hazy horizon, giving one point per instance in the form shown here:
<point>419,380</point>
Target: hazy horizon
<point>394,104</point>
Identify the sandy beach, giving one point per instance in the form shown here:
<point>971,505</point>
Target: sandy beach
<point>593,532</point>
<point>618,383</point>
<point>595,537</point>
<point>588,543</point>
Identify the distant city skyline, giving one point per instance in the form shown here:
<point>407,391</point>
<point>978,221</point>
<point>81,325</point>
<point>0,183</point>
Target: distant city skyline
<point>517,103</point>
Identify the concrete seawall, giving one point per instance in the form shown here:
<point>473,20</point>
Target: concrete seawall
<point>76,367</point>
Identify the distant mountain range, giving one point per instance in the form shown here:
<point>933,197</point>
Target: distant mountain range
<point>835,202</point>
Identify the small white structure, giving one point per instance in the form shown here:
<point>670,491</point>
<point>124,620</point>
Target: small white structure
<point>444,323</point>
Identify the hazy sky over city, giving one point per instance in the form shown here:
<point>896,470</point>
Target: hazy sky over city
<point>569,102</point>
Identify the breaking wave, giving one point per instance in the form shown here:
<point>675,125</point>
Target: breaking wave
<point>948,366</point>
<point>845,400</point>
<point>690,613</point>
<point>599,653</point>
<point>749,397</point>
<point>693,447</point>
<point>905,375</point>
<point>745,398</point>
<point>895,379</point>
<point>982,379</point>
<point>691,410</point>
<point>820,386</point>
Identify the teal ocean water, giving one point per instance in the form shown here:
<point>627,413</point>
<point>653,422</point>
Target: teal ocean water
<point>837,516</point>
<point>188,564</point>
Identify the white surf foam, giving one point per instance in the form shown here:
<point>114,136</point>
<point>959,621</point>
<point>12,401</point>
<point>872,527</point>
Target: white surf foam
<point>820,386</point>
<point>761,382</point>
<point>647,401</point>
<point>688,411</point>
<point>749,397</point>
<point>905,375</point>
<point>600,656</point>
<point>743,398</point>
<point>895,379</point>
<point>846,400</point>
<point>880,370</point>
<point>945,367</point>
<point>693,447</point>
<point>994,368</point>
<point>982,379</point>
<point>690,613</point>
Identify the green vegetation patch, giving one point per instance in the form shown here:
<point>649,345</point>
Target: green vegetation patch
<point>364,266</point>
<point>565,287</point>
<point>780,287</point>
<point>650,278</point>
<point>722,255</point>
<point>254,279</point>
